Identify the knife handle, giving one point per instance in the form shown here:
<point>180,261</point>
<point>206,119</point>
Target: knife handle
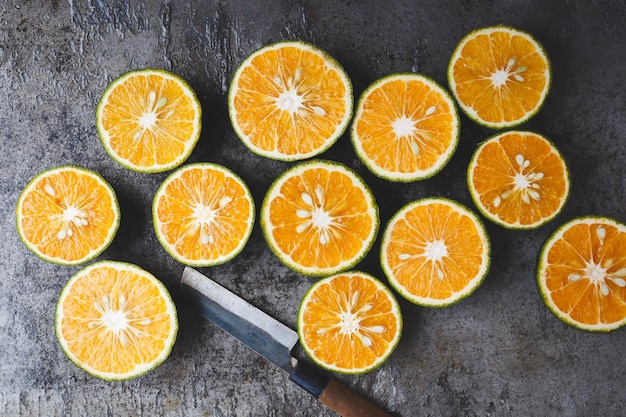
<point>333,394</point>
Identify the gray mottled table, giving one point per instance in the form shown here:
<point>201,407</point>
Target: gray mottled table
<point>498,353</point>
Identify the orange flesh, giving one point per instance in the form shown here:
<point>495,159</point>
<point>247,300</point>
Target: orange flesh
<point>415,242</point>
<point>208,194</point>
<point>497,170</point>
<point>68,215</point>
<point>149,98</point>
<point>332,194</point>
<point>584,269</point>
<point>99,298</point>
<point>279,78</point>
<point>416,104</point>
<point>512,60</point>
<point>326,331</point>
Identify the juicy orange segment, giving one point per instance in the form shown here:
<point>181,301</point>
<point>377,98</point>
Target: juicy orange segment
<point>115,320</point>
<point>499,75</point>
<point>319,218</point>
<point>349,323</point>
<point>67,215</point>
<point>582,273</point>
<point>518,179</point>
<point>435,252</point>
<point>405,128</point>
<point>149,120</point>
<point>203,214</point>
<point>290,101</point>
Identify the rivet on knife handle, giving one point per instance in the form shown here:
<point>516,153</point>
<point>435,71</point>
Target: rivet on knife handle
<point>333,394</point>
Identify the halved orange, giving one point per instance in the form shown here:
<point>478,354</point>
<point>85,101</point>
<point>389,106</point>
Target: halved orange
<point>500,76</point>
<point>149,120</point>
<point>435,252</point>
<point>290,101</point>
<point>319,218</point>
<point>115,320</point>
<point>581,273</point>
<point>67,215</point>
<point>518,179</point>
<point>203,214</point>
<point>405,127</point>
<point>349,323</point>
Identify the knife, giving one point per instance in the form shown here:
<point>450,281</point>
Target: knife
<point>272,340</point>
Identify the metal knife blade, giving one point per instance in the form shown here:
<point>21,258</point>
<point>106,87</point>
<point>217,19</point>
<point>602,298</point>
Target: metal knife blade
<point>254,328</point>
<point>273,340</point>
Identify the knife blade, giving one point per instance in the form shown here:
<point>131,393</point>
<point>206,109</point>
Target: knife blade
<point>273,340</point>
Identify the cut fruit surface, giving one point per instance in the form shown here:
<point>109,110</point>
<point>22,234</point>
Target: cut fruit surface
<point>115,320</point>
<point>319,218</point>
<point>405,127</point>
<point>500,76</point>
<point>349,323</point>
<point>67,215</point>
<point>149,120</point>
<point>581,273</point>
<point>518,179</point>
<point>290,101</point>
<point>203,214</point>
<point>435,252</point>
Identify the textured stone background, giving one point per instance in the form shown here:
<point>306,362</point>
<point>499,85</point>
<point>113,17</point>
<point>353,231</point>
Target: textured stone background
<point>497,353</point>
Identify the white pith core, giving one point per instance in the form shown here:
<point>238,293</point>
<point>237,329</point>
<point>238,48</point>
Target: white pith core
<point>435,252</point>
<point>70,216</point>
<point>524,182</point>
<point>116,320</point>
<point>316,216</point>
<point>204,217</point>
<point>597,273</point>
<point>148,119</point>
<point>501,76</point>
<point>292,99</point>
<point>350,322</point>
<point>403,126</point>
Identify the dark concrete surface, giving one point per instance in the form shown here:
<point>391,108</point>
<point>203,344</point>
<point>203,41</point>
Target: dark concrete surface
<point>497,353</point>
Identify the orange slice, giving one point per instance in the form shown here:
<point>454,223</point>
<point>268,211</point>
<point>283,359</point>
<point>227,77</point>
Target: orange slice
<point>435,252</point>
<point>67,215</point>
<point>518,180</point>
<point>349,323</point>
<point>500,76</point>
<point>319,218</point>
<point>582,273</point>
<point>203,214</point>
<point>290,101</point>
<point>149,120</point>
<point>406,127</point>
<point>115,321</point>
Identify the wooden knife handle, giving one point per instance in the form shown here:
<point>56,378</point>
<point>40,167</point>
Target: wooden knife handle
<point>335,395</point>
<point>348,403</point>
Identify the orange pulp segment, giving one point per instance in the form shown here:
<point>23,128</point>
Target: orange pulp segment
<point>405,127</point>
<point>319,218</point>
<point>115,321</point>
<point>349,323</point>
<point>582,273</point>
<point>435,252</point>
<point>203,214</point>
<point>500,76</point>
<point>518,179</point>
<point>290,101</point>
<point>67,215</point>
<point>149,120</point>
